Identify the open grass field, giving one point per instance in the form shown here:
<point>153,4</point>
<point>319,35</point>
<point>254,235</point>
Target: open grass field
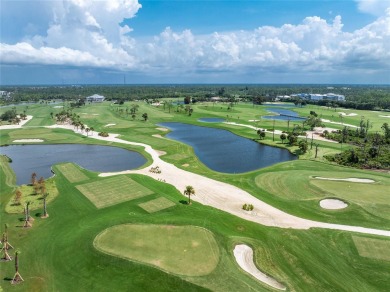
<point>156,205</point>
<point>59,254</point>
<point>372,248</point>
<point>181,250</point>
<point>113,190</point>
<point>72,173</point>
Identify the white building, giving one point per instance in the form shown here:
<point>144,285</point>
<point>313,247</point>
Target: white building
<point>95,98</point>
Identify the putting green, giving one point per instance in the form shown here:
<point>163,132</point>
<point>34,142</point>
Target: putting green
<point>182,250</point>
<point>113,190</point>
<point>71,172</point>
<point>372,248</point>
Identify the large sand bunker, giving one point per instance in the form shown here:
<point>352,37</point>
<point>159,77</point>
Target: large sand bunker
<point>244,258</point>
<point>350,179</point>
<point>333,204</point>
<point>27,140</point>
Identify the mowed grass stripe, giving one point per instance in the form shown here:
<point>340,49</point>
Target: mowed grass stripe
<point>72,173</point>
<point>156,205</point>
<point>112,191</point>
<point>372,248</point>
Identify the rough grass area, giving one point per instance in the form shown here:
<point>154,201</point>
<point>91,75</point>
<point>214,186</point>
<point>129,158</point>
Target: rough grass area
<point>9,175</point>
<point>112,191</point>
<point>372,248</point>
<point>71,172</point>
<point>182,250</point>
<point>28,195</point>
<point>156,205</point>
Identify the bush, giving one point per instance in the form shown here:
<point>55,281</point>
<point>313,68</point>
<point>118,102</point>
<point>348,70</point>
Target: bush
<point>247,207</point>
<point>103,134</point>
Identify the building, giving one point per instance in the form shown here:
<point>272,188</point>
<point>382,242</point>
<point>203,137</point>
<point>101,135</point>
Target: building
<point>95,98</point>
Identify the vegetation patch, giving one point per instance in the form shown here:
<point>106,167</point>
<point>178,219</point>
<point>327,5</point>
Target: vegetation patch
<point>178,156</point>
<point>156,205</point>
<point>372,248</point>
<point>71,172</point>
<point>182,250</point>
<point>112,191</point>
<point>27,193</point>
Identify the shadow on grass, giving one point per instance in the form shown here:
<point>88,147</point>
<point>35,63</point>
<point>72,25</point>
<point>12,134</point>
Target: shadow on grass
<point>184,202</point>
<point>38,214</point>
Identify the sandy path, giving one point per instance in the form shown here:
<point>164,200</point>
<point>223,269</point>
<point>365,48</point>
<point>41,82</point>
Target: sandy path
<point>22,122</point>
<point>244,258</point>
<point>223,196</point>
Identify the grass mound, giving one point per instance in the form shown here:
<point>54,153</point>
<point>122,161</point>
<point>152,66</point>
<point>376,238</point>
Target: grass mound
<point>72,173</point>
<point>157,205</point>
<point>182,250</point>
<point>113,190</point>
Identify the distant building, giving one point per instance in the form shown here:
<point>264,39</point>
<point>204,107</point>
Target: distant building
<point>95,98</point>
<point>316,97</point>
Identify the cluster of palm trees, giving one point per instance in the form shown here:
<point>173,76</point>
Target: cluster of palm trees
<point>73,119</point>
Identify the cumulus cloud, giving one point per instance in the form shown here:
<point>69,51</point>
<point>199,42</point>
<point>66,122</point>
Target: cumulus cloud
<point>374,7</point>
<point>91,34</point>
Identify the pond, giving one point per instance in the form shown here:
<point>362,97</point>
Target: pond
<point>283,114</point>
<point>223,151</point>
<point>211,120</point>
<point>27,159</point>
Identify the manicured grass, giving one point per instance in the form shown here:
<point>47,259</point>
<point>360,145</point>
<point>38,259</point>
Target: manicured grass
<point>111,191</point>
<point>71,172</point>
<point>156,205</point>
<point>58,253</point>
<point>372,248</point>
<point>181,250</point>
<point>9,175</point>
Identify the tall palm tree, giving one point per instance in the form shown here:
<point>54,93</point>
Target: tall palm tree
<point>45,214</point>
<point>17,277</point>
<point>188,192</point>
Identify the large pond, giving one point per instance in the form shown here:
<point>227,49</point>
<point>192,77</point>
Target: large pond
<point>223,151</point>
<point>283,114</point>
<point>27,159</point>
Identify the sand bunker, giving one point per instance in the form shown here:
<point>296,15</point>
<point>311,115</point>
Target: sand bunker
<point>162,129</point>
<point>58,106</point>
<point>347,115</point>
<point>385,116</point>
<point>109,125</point>
<point>333,204</point>
<point>351,179</point>
<point>244,258</point>
<point>27,140</point>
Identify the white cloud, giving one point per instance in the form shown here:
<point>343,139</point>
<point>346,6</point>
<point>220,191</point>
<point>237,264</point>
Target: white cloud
<point>88,33</point>
<point>374,7</point>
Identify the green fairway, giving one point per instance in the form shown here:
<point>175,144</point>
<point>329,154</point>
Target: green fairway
<point>71,172</point>
<point>182,250</point>
<point>112,191</point>
<point>372,248</point>
<point>156,205</point>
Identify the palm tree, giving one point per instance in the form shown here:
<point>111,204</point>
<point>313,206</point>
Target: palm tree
<point>17,277</point>
<point>188,192</point>
<point>87,130</point>
<point>283,137</point>
<point>45,214</point>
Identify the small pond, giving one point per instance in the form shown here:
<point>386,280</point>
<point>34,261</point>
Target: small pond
<point>211,120</point>
<point>27,159</point>
<point>223,151</point>
<point>283,114</point>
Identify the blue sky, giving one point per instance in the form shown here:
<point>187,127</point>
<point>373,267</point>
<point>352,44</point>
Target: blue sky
<point>285,41</point>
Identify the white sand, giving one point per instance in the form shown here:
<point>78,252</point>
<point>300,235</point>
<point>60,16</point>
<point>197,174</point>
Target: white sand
<point>350,179</point>
<point>163,129</point>
<point>222,195</point>
<point>337,123</point>
<point>333,204</point>
<point>347,115</point>
<point>27,140</point>
<point>244,258</point>
<point>385,116</point>
<point>109,125</point>
<point>58,106</point>
<point>22,122</point>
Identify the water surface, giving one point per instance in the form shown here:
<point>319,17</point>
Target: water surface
<point>223,151</point>
<point>27,159</point>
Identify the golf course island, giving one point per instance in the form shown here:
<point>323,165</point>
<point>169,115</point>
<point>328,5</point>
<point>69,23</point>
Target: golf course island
<point>188,188</point>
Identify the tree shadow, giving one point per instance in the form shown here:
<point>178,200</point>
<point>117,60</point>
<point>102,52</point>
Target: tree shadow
<point>39,214</point>
<point>184,202</point>
<point>7,279</point>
